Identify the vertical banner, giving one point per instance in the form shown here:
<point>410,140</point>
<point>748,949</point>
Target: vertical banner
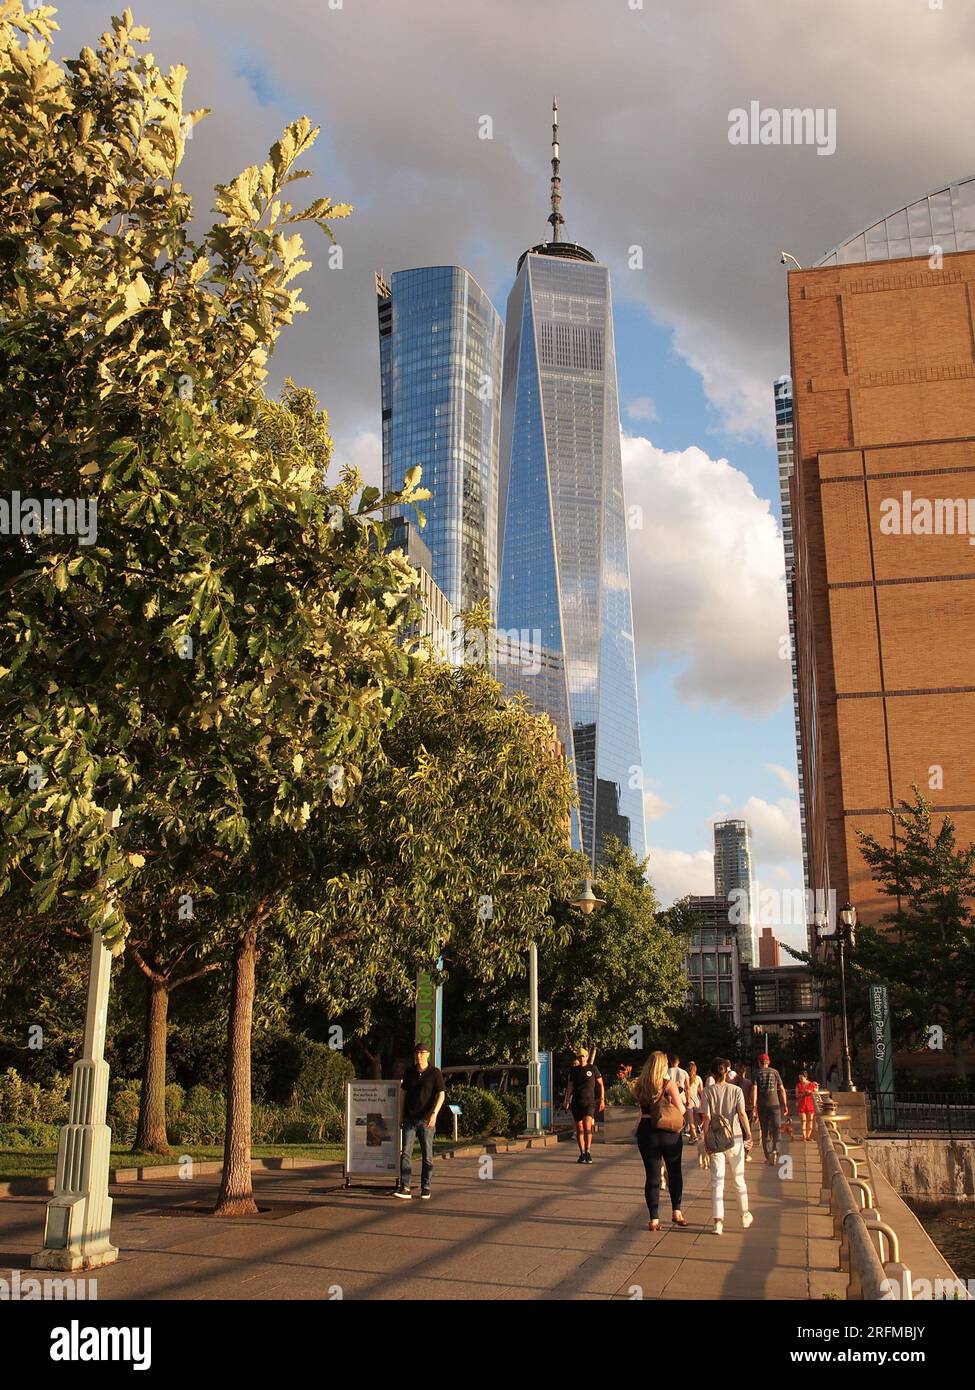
<point>429,1014</point>
<point>883,1056</point>
<point>548,1116</point>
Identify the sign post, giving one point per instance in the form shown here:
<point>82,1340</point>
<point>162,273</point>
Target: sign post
<point>883,1056</point>
<point>429,1014</point>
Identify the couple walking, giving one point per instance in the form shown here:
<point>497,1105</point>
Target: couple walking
<point>726,1137</point>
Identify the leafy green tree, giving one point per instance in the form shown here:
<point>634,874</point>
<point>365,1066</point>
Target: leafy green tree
<point>455,847</point>
<point>927,956</point>
<point>220,660</point>
<point>621,966</point>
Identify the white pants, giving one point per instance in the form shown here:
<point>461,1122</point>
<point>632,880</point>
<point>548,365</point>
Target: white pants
<point>735,1158</point>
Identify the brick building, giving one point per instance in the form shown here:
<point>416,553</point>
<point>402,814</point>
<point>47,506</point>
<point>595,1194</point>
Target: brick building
<point>883,366</point>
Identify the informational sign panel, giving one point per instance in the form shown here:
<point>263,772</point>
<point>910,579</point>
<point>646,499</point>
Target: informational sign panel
<point>372,1130</point>
<point>883,1056</point>
<point>429,1015</point>
<point>548,1115</point>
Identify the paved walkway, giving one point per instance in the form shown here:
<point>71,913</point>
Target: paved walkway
<point>540,1227</point>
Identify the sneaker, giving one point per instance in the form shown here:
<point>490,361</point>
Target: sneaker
<point>719,1228</point>
<point>403,1192</point>
<point>424,1194</point>
<point>581,1158</point>
<point>588,1156</point>
<point>746,1219</point>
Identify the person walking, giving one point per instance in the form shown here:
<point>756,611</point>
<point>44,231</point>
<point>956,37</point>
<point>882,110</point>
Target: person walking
<point>727,1137</point>
<point>695,1089</point>
<point>423,1095</point>
<point>677,1074</point>
<point>806,1106</point>
<point>584,1095</point>
<point>770,1106</point>
<point>659,1137</point>
<point>747,1090</point>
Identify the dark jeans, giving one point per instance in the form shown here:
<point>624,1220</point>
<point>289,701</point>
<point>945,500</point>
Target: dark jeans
<point>657,1146</point>
<point>770,1118</point>
<point>412,1130</point>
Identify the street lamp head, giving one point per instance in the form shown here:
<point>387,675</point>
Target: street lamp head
<point>587,901</point>
<point>848,915</point>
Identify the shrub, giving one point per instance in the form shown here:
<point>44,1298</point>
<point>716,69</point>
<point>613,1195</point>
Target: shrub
<point>322,1075</point>
<point>482,1112</point>
<point>175,1095</point>
<point>53,1107</point>
<point>514,1104</point>
<point>620,1094</point>
<point>202,1118</point>
<point>32,1134</point>
<point>123,1112</point>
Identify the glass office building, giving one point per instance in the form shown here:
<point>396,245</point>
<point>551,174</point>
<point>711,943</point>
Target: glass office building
<point>564,568</point>
<point>733,881</point>
<point>440,365</point>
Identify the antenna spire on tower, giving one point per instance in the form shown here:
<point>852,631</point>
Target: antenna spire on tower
<point>555,216</point>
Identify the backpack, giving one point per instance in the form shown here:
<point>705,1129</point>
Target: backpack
<point>720,1136</point>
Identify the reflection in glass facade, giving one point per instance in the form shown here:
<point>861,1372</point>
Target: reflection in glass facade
<point>440,362</point>
<point>564,570</point>
<point>945,218</point>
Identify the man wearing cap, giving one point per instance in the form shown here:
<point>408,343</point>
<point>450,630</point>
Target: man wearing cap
<point>770,1105</point>
<point>423,1095</point>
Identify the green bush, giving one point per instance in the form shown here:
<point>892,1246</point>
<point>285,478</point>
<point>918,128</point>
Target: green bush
<point>482,1112</point>
<point>514,1104</point>
<point>620,1094</point>
<point>24,1102</point>
<point>202,1118</point>
<point>322,1075</point>
<point>123,1113</point>
<point>32,1134</point>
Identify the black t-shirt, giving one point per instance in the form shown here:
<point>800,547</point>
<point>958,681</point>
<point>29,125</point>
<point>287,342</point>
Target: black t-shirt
<point>422,1089</point>
<point>767,1083</point>
<point>583,1080</point>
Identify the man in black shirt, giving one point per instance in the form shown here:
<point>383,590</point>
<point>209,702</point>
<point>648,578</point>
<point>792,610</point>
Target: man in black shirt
<point>423,1095</point>
<point>585,1084</point>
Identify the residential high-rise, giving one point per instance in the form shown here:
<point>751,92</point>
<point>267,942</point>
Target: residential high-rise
<point>563,561</point>
<point>440,364</point>
<point>884,376</point>
<point>733,881</point>
<point>713,966</point>
<point>785,449</point>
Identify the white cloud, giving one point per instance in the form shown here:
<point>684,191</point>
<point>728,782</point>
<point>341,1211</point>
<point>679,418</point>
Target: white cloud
<point>642,408</point>
<point>776,835</point>
<point>365,451</point>
<point>654,806</point>
<point>707,575</point>
<point>674,873</point>
<point>787,778</point>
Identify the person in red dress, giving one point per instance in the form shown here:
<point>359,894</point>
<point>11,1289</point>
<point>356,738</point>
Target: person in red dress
<point>805,1090</point>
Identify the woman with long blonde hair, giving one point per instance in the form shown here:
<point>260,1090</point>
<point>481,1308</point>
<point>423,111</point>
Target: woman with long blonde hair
<point>659,1135</point>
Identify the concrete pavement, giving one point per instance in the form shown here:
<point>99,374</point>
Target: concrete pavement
<point>522,1225</point>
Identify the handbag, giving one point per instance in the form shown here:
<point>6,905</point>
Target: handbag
<point>664,1114</point>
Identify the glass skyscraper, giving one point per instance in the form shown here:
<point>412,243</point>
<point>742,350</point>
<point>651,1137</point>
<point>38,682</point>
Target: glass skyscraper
<point>733,881</point>
<point>440,364</point>
<point>564,568</point>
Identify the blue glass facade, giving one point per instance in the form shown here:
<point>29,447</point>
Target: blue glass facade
<point>440,361</point>
<point>563,567</point>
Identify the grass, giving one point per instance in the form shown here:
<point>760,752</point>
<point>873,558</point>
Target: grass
<point>41,1163</point>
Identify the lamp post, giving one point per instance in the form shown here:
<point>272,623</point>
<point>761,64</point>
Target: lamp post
<point>78,1221</point>
<point>844,936</point>
<point>585,903</point>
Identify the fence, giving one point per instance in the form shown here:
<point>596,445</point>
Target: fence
<point>923,1112</point>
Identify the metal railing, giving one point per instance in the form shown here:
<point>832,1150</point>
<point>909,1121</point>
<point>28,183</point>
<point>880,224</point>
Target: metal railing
<point>922,1112</point>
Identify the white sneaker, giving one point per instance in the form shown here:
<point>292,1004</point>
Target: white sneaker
<point>719,1228</point>
<point>746,1219</point>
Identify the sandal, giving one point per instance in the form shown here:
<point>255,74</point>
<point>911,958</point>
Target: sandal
<point>679,1219</point>
<point>653,1225</point>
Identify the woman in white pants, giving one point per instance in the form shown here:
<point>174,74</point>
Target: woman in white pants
<point>723,1099</point>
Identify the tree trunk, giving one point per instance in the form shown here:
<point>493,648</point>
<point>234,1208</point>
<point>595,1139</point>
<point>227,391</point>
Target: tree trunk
<point>374,1064</point>
<point>236,1192</point>
<point>150,1135</point>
